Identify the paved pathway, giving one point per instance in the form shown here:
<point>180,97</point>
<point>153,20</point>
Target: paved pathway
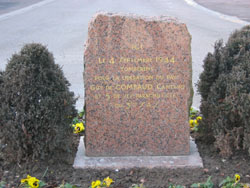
<point>11,5</point>
<point>62,25</point>
<point>239,8</point>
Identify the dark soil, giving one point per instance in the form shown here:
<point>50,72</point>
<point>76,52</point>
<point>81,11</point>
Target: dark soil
<point>214,166</point>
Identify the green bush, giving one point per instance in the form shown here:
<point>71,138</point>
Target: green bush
<point>1,82</point>
<point>1,145</point>
<point>225,89</point>
<point>36,107</point>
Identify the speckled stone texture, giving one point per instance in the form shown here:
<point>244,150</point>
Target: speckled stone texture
<point>138,87</point>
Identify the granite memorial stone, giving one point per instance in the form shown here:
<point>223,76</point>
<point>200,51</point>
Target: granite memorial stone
<point>138,86</point>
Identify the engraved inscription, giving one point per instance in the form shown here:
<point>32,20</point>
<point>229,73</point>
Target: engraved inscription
<point>137,79</point>
<point>130,80</point>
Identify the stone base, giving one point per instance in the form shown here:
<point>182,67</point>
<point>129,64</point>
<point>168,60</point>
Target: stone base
<point>193,160</point>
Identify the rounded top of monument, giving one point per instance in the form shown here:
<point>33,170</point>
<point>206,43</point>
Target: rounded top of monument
<point>161,18</point>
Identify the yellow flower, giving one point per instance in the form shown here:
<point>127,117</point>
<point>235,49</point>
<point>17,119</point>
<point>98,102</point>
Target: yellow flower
<point>246,186</point>
<point>95,184</point>
<point>196,122</point>
<point>79,127</point>
<point>25,180</point>
<point>31,181</point>
<point>236,178</point>
<point>108,181</point>
<point>199,118</point>
<point>191,123</point>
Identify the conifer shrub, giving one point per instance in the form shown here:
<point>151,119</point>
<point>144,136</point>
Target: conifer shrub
<point>224,86</point>
<point>36,108</point>
<point>1,81</point>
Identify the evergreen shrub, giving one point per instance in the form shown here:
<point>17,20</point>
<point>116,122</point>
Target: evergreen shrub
<point>36,108</point>
<point>224,86</point>
<point>1,145</point>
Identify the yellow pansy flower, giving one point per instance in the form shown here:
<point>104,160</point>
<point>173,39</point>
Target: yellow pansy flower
<point>108,181</point>
<point>191,123</point>
<point>195,122</point>
<point>246,185</point>
<point>92,184</point>
<point>25,180</point>
<point>79,127</point>
<point>31,181</point>
<point>95,184</point>
<point>236,178</point>
<point>199,118</point>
